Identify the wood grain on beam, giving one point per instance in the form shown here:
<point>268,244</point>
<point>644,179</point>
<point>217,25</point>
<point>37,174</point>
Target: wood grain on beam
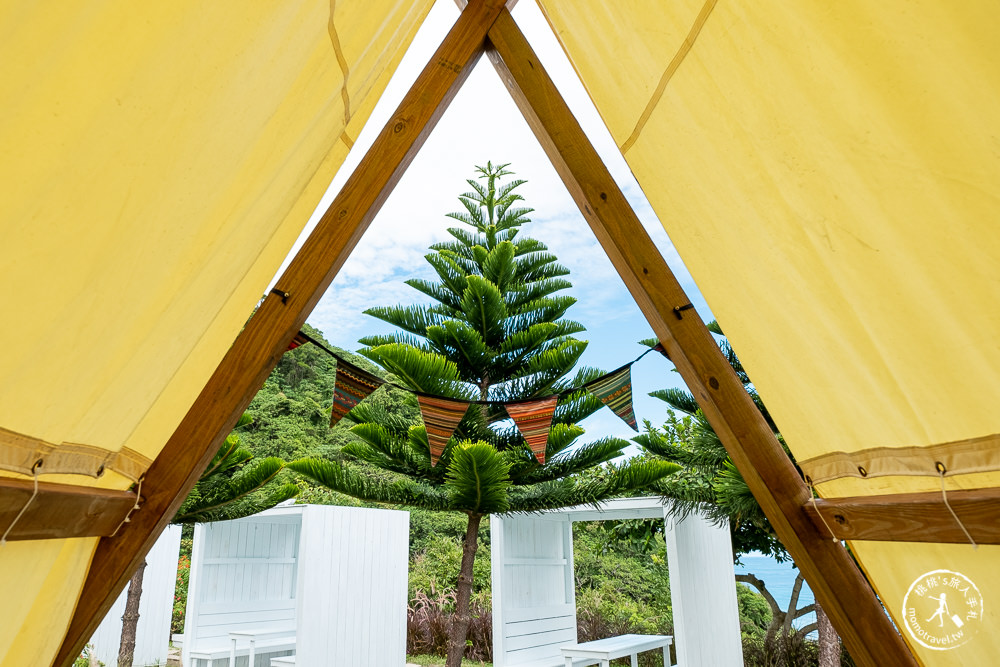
<point>832,575</point>
<point>266,336</point>
<point>911,517</point>
<point>60,510</point>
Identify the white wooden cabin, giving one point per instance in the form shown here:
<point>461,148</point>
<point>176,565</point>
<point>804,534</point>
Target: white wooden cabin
<point>152,634</point>
<point>312,584</point>
<point>534,601</point>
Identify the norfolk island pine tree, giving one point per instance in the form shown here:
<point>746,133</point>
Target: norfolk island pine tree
<point>495,332</point>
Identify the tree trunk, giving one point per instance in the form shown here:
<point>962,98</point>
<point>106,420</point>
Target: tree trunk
<point>463,594</point>
<point>829,641</point>
<point>130,619</point>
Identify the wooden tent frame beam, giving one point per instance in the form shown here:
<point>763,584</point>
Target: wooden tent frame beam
<point>266,336</point>
<point>832,575</point>
<point>911,517</point>
<point>60,511</point>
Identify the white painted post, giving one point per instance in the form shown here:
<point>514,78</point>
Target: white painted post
<point>703,593</point>
<point>152,635</point>
<point>193,601</point>
<point>351,599</point>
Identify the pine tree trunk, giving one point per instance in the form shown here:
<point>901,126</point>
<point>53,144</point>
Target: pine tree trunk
<point>829,641</point>
<point>130,619</point>
<point>463,594</point>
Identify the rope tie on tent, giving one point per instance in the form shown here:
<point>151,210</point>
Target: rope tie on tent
<point>34,493</point>
<point>812,499</point>
<point>138,500</point>
<point>944,496</point>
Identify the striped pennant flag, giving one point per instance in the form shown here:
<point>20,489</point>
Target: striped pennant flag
<point>441,418</point>
<point>615,391</point>
<point>300,339</point>
<point>351,386</point>
<point>662,350</point>
<point>533,421</point>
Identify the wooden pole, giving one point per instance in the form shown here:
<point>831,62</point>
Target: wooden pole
<point>266,336</point>
<point>832,575</point>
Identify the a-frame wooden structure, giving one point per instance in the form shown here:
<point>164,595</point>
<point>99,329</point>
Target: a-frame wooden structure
<point>486,27</point>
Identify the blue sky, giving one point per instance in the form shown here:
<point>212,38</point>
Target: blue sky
<point>483,124</point>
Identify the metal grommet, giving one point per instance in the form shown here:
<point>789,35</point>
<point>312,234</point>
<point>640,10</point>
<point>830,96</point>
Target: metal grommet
<point>38,464</point>
<point>940,467</point>
<point>864,473</point>
<point>100,471</point>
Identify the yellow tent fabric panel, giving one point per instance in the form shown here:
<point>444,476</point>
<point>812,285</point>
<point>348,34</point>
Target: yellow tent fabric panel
<point>41,582</point>
<point>829,174</point>
<point>899,570</point>
<point>159,160</point>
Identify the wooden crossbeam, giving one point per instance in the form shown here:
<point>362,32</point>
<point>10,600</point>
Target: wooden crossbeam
<point>911,517</point>
<point>60,511</point>
<point>832,575</point>
<point>266,336</point>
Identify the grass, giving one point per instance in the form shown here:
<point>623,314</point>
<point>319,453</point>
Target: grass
<point>438,661</point>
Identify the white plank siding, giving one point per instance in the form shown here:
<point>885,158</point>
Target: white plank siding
<point>331,581</point>
<point>534,603</point>
<point>534,607</point>
<point>703,593</point>
<point>152,637</point>
<point>243,577</point>
<point>352,587</point>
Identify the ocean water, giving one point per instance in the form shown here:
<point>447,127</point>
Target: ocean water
<point>779,579</point>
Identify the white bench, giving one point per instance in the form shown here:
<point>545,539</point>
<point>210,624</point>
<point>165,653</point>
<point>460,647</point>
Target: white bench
<point>288,661</point>
<point>267,640</point>
<point>246,643</point>
<point>603,651</point>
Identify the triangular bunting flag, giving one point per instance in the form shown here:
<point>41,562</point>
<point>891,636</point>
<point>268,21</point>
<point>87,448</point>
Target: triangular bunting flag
<point>615,391</point>
<point>441,417</point>
<point>300,339</point>
<point>662,350</point>
<point>351,386</point>
<point>533,421</point>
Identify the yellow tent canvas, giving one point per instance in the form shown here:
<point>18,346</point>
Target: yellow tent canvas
<point>828,173</point>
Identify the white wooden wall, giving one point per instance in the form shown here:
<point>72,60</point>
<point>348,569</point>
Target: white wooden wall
<point>534,604</point>
<point>352,587</point>
<point>155,608</point>
<point>337,576</point>
<point>243,576</point>
<point>534,600</point>
<point>703,593</point>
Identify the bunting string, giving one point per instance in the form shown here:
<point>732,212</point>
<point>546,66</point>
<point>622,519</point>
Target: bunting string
<point>341,362</point>
<point>532,416</point>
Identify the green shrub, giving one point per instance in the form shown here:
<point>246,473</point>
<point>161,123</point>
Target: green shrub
<point>755,614</point>
<point>86,658</point>
<point>181,587</point>
<point>435,569</point>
